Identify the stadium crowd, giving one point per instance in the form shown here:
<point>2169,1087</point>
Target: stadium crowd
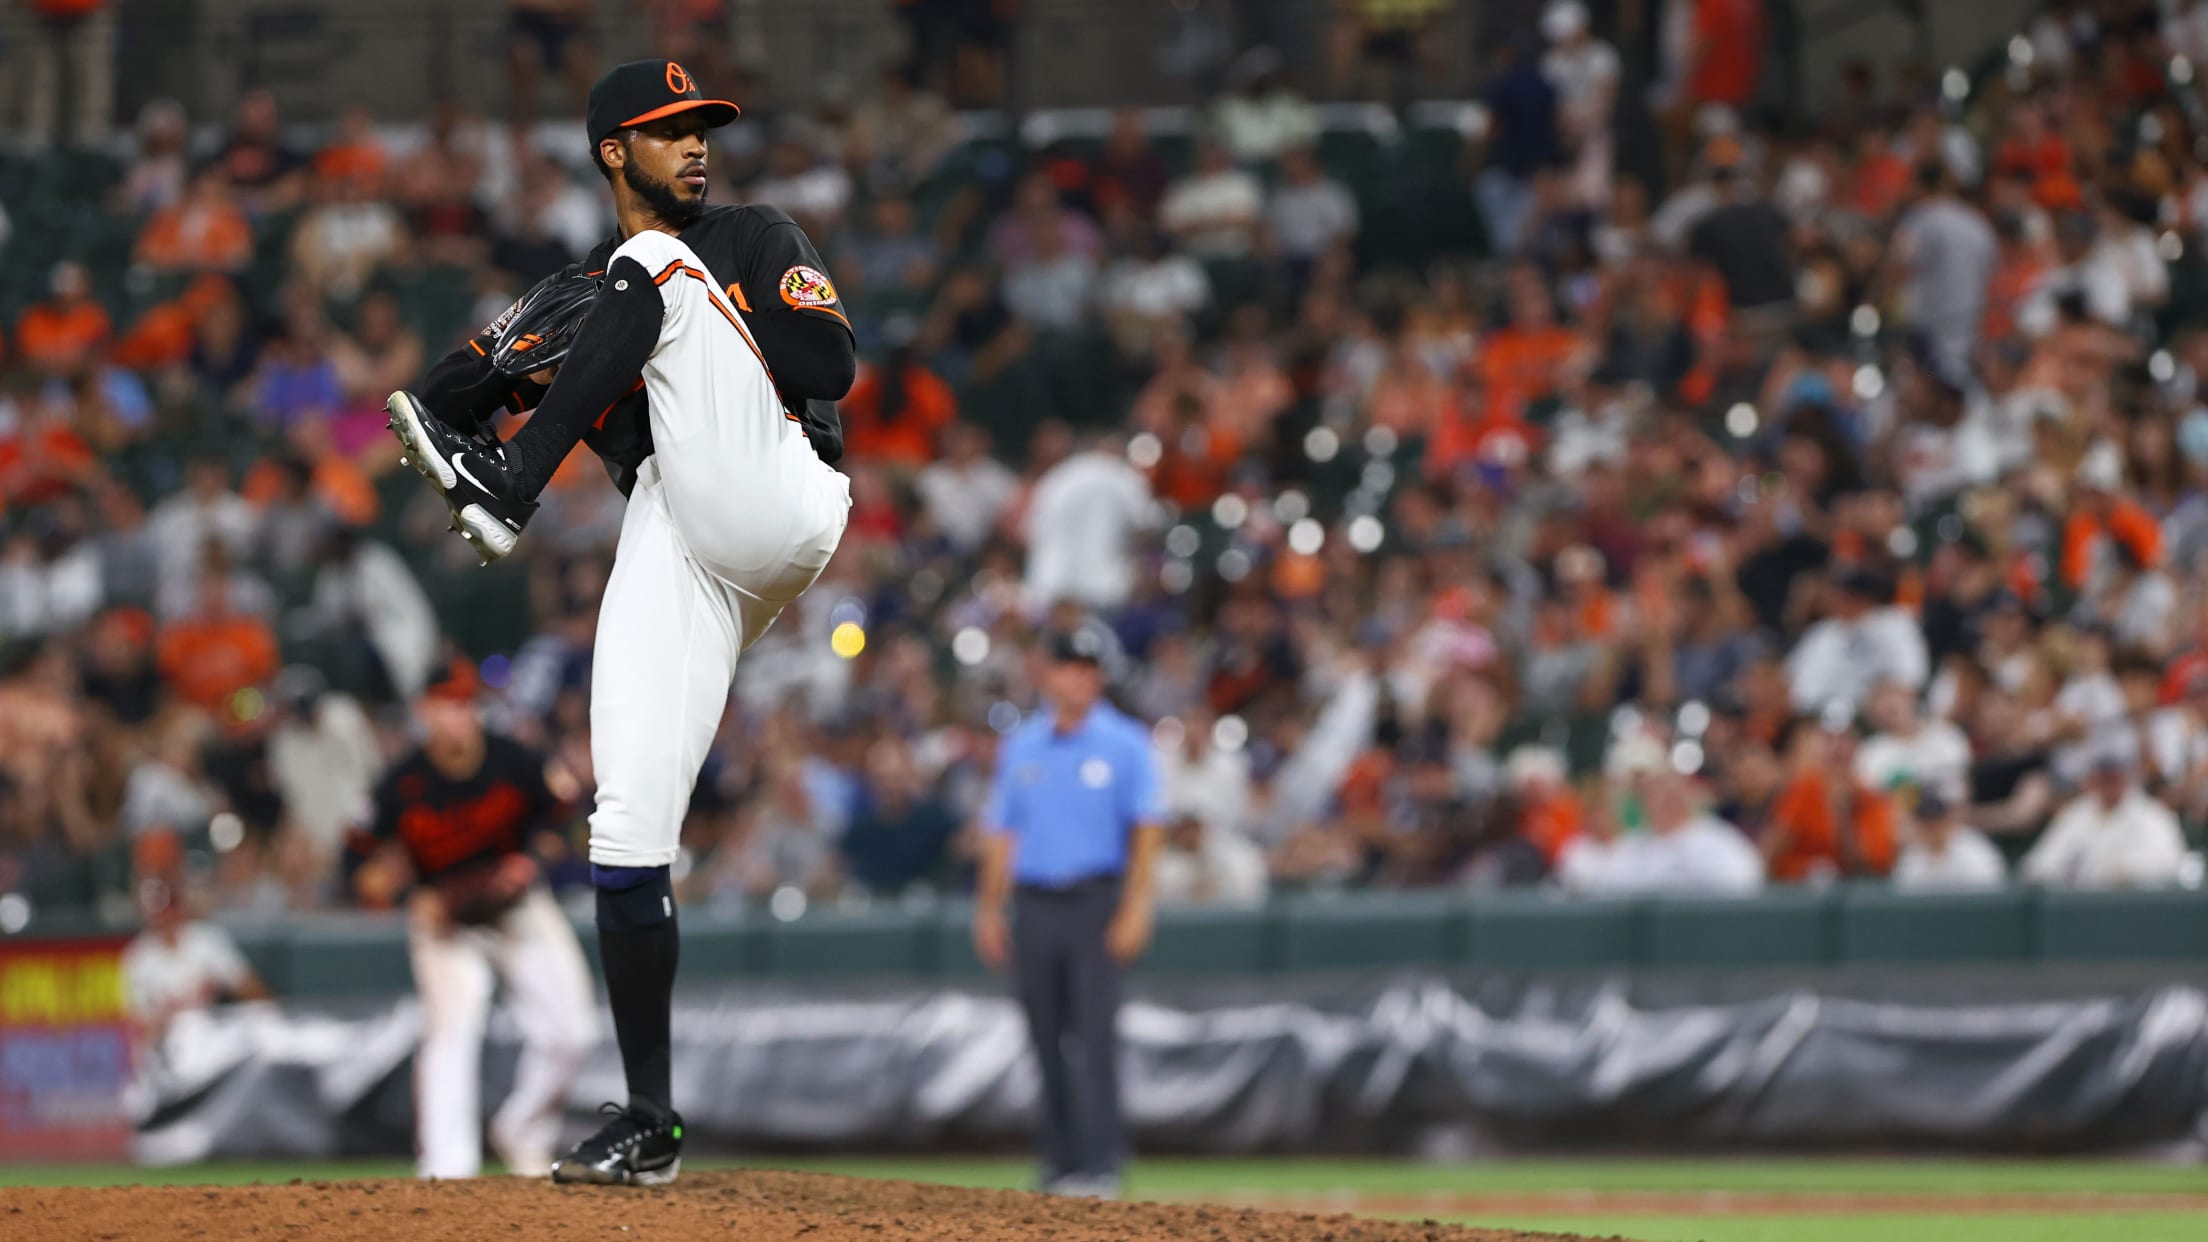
<point>1749,499</point>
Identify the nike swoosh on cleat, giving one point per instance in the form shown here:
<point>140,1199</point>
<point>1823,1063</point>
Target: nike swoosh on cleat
<point>460,463</point>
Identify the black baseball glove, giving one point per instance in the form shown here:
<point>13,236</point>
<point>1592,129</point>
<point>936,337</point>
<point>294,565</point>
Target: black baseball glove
<point>540,329</point>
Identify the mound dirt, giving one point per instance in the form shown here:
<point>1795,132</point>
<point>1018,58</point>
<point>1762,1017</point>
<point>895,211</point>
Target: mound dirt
<point>744,1204</point>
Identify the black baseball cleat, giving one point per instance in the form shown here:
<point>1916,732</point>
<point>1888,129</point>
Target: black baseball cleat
<point>469,471</point>
<point>641,1146</point>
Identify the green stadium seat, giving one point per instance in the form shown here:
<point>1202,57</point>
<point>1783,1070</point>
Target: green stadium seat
<point>1878,924</point>
<point>1780,927</point>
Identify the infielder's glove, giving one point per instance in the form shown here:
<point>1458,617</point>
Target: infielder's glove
<point>483,895</point>
<point>541,329</point>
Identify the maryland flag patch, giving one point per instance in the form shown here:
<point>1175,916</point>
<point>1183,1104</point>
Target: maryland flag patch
<point>807,286</point>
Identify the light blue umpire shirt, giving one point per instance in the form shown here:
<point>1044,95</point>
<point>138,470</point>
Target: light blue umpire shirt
<point>1070,801</point>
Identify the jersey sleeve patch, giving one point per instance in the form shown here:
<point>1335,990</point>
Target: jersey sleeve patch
<point>807,286</point>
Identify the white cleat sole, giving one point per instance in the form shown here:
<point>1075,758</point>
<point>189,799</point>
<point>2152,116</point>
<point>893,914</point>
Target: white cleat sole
<point>406,424</point>
<point>492,540</point>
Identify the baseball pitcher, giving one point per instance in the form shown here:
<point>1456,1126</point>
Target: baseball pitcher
<point>458,812</point>
<point>726,323</point>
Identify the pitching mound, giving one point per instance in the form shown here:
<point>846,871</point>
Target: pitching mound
<point>746,1204</point>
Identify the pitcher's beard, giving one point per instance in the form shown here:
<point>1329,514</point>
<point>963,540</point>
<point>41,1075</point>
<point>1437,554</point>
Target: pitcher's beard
<point>669,202</point>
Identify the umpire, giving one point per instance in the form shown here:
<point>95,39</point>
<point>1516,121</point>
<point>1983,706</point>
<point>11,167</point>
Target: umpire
<point>1073,828</point>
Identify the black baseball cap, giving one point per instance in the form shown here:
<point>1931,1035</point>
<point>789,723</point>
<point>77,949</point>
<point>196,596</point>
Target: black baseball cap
<point>643,91</point>
<point>1080,645</point>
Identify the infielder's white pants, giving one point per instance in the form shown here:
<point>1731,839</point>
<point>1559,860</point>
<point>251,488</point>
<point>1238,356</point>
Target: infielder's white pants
<point>533,950</point>
<point>732,517</point>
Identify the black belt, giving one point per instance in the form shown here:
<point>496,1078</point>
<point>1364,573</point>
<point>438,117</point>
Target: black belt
<point>1087,884</point>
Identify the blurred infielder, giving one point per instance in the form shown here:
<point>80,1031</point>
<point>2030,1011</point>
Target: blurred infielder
<point>459,811</point>
<point>725,321</point>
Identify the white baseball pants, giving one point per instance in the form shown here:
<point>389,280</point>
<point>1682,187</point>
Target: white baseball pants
<point>732,517</point>
<point>533,951</point>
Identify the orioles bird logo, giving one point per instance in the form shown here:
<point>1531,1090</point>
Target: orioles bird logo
<point>678,79</point>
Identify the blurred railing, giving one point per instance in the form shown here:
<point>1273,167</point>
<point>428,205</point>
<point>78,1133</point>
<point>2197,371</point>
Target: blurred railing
<point>1862,925</point>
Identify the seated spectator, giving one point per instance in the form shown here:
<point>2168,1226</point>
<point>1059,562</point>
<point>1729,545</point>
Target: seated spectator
<point>1213,213</point>
<point>1549,817</point>
<point>204,231</point>
<point>366,597</point>
<point>965,491</point>
<point>1127,175</point>
<point>1050,289</point>
<point>1861,640</point>
<point>1261,116</point>
<point>547,36</point>
<point>892,258</point>
<point>436,184</point>
<point>269,175</point>
<point>1151,293</point>
<point>380,355</point>
<point>1943,854</point>
<point>899,830</point>
<point>897,409</point>
<point>900,133</point>
<point>168,790</point>
<point>1039,218</point>
<point>323,757</point>
<point>356,154</point>
<point>782,839</point>
<point>225,347</point>
<point>344,237</point>
<point>2110,836</point>
<point>62,335</point>
<point>214,650</point>
<point>816,191</point>
<point>158,170</point>
<point>1308,214</point>
<point>1659,837</point>
<point>1909,751</point>
<point>1827,824</point>
<point>295,378</point>
<point>205,509</point>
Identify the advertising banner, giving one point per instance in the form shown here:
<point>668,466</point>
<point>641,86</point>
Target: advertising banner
<point>65,1050</point>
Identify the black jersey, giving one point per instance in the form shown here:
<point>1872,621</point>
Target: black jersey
<point>450,827</point>
<point>776,279</point>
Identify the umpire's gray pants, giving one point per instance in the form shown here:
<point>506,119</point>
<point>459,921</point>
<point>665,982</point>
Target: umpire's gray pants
<point>1069,988</point>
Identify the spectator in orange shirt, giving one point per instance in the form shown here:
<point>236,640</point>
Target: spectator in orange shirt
<point>1825,824</point>
<point>2100,514</point>
<point>1520,361</point>
<point>205,232</point>
<point>1550,816</point>
<point>1724,52</point>
<point>211,654</point>
<point>59,336</point>
<point>356,155</point>
<point>897,410</point>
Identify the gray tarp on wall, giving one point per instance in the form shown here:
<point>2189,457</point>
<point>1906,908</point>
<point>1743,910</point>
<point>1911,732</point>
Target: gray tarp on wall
<point>1378,1066</point>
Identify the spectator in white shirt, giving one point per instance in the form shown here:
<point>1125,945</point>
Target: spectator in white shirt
<point>1862,640</point>
<point>1261,116</point>
<point>966,490</point>
<point>1081,522</point>
<point>1662,838</point>
<point>1909,750</point>
<point>1585,71</point>
<point>1151,293</point>
<point>1209,858</point>
<point>1310,212</point>
<point>2112,836</point>
<point>324,758</point>
<point>1943,854</point>
<point>1213,212</point>
<point>205,509</point>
